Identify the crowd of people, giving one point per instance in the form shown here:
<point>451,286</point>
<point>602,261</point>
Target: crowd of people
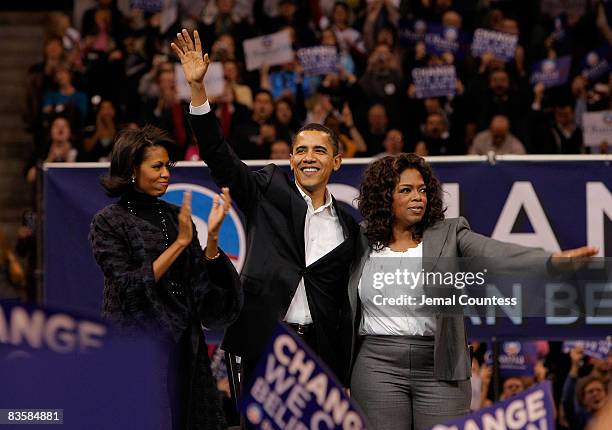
<point>117,71</point>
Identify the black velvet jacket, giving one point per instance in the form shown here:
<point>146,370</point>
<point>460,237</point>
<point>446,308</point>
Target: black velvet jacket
<point>125,246</point>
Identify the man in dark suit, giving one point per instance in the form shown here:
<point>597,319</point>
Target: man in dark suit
<point>299,241</point>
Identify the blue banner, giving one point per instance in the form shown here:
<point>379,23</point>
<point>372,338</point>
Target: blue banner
<point>532,409</point>
<point>434,81</point>
<point>503,45</point>
<point>437,38</point>
<point>551,73</point>
<point>552,203</point>
<point>292,388</point>
<point>63,360</point>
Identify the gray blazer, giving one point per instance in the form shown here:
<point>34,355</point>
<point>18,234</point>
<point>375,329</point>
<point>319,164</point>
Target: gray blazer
<point>448,239</point>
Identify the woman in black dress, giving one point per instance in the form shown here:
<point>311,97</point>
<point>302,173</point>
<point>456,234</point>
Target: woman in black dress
<point>157,278</point>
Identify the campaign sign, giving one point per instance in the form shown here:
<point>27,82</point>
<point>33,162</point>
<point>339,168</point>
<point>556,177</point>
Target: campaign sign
<point>434,81</point>
<point>411,32</point>
<point>596,64</point>
<point>597,128</point>
<point>503,45</point>
<point>271,50</point>
<point>318,60</point>
<point>531,409</point>
<point>551,73</point>
<point>152,6</point>
<point>515,358</point>
<point>440,39</point>
<point>292,388</point>
<point>592,348</point>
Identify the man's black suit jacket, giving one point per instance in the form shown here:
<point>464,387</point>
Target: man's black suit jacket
<point>275,212</point>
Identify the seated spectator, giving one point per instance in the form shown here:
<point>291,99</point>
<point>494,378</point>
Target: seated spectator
<point>224,21</point>
<point>59,26</point>
<point>497,139</point>
<point>103,23</point>
<point>58,150</point>
<point>351,141</point>
<point>511,387</point>
<point>147,87</point>
<point>41,79</point>
<point>223,49</point>
<point>230,113</point>
<point>66,96</point>
<point>242,93</point>
<point>582,399</point>
<point>435,138</point>
<point>495,97</point>
<point>280,150</point>
<point>253,136</point>
<point>556,134</point>
<point>376,131</point>
<point>168,111</point>
<point>379,14</point>
<point>285,120</point>
<point>99,139</point>
<point>382,80</point>
<point>318,108</point>
<point>393,143</point>
<point>349,40</point>
<point>329,38</point>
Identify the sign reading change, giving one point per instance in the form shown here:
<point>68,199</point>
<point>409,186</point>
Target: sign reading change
<point>292,388</point>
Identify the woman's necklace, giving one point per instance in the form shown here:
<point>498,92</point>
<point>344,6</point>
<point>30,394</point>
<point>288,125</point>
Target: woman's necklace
<point>173,287</point>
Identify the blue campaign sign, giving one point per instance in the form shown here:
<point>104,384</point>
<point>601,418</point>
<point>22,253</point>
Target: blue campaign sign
<point>292,388</point>
<point>152,6</point>
<point>515,358</point>
<point>599,349</point>
<point>596,64</point>
<point>514,201</point>
<point>437,38</point>
<point>503,45</point>
<point>411,32</point>
<point>551,72</point>
<point>434,81</point>
<point>319,60</point>
<point>531,409</point>
<point>440,39</point>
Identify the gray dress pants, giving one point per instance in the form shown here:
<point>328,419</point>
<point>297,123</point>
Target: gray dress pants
<point>392,381</point>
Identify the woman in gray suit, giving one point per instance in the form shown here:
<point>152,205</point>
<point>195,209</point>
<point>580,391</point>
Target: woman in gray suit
<point>411,366</point>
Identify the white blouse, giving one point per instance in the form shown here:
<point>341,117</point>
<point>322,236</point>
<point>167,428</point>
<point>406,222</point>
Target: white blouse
<point>388,279</point>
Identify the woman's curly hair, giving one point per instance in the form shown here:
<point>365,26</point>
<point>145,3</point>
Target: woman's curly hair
<point>376,197</point>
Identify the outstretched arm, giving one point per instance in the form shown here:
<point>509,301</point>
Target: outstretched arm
<point>226,168</point>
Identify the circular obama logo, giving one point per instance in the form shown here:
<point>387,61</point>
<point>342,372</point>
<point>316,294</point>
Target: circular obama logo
<point>231,237</point>
<point>512,348</point>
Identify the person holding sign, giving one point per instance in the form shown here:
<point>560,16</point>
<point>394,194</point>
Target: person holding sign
<point>158,281</point>
<point>413,371</point>
<point>299,241</point>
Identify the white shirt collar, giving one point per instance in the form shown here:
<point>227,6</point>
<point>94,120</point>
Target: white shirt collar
<point>326,205</point>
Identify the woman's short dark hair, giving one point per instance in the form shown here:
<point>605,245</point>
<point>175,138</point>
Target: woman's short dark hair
<point>376,197</point>
<point>128,153</point>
